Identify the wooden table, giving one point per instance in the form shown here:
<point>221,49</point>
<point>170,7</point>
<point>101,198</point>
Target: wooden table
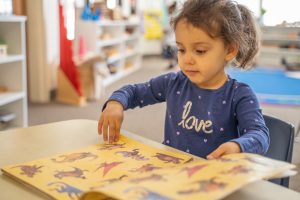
<point>26,144</point>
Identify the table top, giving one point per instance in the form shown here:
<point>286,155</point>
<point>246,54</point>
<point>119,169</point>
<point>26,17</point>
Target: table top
<point>26,144</point>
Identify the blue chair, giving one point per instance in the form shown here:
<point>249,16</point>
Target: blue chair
<point>281,143</point>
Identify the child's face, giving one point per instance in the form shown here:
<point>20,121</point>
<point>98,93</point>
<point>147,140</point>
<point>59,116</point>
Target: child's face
<point>201,57</point>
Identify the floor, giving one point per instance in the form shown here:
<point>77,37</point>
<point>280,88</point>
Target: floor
<point>153,115</point>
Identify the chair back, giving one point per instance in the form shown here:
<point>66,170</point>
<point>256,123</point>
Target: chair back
<point>281,143</point>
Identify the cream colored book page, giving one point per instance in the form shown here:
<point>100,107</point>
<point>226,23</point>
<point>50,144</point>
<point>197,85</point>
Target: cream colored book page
<point>212,179</point>
<point>68,175</point>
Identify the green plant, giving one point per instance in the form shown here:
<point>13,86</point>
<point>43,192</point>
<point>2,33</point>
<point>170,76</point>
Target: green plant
<point>2,42</point>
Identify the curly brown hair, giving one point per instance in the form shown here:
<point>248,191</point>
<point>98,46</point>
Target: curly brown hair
<point>232,22</point>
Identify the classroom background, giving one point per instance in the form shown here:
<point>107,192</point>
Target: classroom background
<point>61,59</point>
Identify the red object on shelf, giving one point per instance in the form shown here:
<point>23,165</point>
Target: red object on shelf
<point>66,55</point>
<point>82,47</point>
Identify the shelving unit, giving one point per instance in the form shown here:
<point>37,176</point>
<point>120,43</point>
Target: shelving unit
<point>118,42</point>
<point>13,71</point>
<point>278,43</point>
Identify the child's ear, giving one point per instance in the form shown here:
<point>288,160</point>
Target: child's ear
<point>232,51</point>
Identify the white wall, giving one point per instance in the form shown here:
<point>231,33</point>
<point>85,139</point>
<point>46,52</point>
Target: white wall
<point>51,16</point>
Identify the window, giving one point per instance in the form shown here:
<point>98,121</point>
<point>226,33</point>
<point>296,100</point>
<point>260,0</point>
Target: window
<point>277,11</point>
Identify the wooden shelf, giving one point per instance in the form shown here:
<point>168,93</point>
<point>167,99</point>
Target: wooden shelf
<point>12,18</point>
<point>119,39</point>
<point>280,40</point>
<point>117,76</point>
<point>118,57</point>
<point>114,58</point>
<point>13,70</point>
<point>116,41</point>
<point>11,58</point>
<point>110,42</point>
<point>274,39</point>
<point>9,97</point>
<point>281,51</point>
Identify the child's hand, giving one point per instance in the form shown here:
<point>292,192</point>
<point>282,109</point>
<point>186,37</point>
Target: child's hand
<point>110,121</point>
<point>224,149</point>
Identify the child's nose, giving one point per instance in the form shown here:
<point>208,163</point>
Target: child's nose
<point>188,59</point>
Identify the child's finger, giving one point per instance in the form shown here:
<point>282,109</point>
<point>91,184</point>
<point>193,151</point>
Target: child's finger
<point>105,130</point>
<point>112,131</point>
<point>117,135</point>
<point>100,124</point>
<point>216,153</point>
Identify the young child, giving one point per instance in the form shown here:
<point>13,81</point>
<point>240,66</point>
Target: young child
<point>208,113</point>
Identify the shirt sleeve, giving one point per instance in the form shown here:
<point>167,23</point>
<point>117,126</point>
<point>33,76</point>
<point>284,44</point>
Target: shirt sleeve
<point>143,94</point>
<point>254,134</point>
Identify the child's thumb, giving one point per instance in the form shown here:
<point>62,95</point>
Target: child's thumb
<point>215,154</point>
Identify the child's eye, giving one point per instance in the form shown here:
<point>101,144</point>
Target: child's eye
<point>180,50</point>
<point>201,51</point>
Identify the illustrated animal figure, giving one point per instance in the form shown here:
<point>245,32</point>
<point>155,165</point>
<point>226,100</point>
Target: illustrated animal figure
<point>112,146</point>
<point>108,181</point>
<point>112,180</point>
<point>152,177</point>
<point>237,170</point>
<point>134,154</point>
<point>28,170</point>
<point>144,194</point>
<point>76,173</point>
<point>62,187</point>
<point>192,170</point>
<point>74,156</point>
<point>168,159</point>
<point>204,186</point>
<point>108,166</point>
<point>145,168</point>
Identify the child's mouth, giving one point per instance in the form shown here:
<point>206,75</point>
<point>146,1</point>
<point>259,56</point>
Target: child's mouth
<point>191,72</point>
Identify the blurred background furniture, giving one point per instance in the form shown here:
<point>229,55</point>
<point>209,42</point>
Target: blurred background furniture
<point>281,143</point>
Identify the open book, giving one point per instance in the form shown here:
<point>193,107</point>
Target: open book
<point>131,170</point>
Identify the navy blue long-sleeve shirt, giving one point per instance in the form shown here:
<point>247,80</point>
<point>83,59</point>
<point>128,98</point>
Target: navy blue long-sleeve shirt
<point>199,120</point>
